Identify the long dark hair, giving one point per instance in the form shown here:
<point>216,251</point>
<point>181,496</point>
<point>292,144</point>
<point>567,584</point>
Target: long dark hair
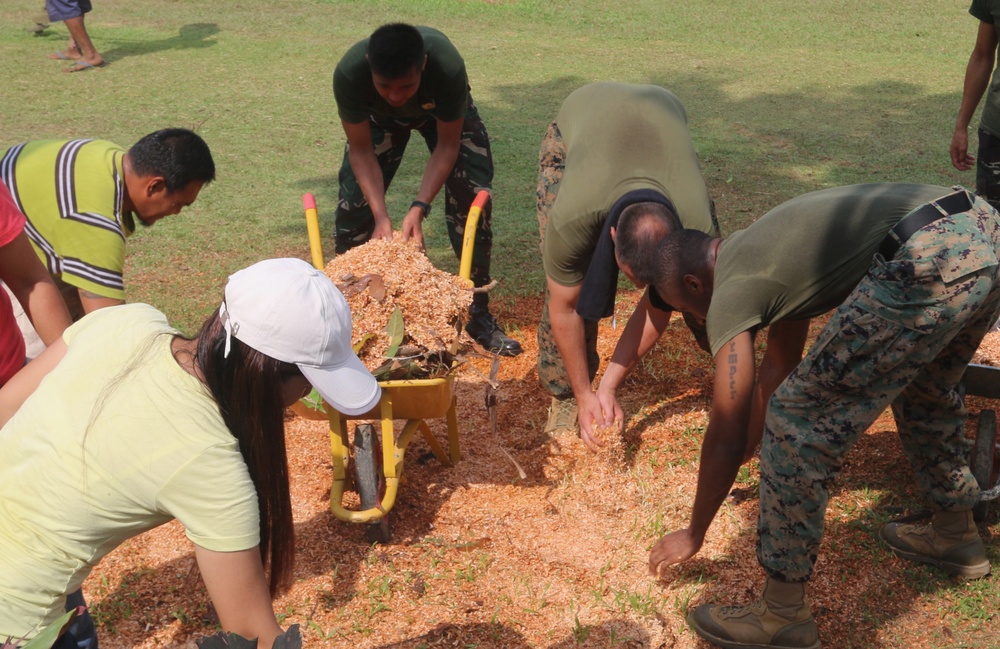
<point>247,386</point>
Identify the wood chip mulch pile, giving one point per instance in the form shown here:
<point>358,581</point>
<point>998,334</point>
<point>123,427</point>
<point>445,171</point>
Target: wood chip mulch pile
<point>382,275</point>
<point>556,560</point>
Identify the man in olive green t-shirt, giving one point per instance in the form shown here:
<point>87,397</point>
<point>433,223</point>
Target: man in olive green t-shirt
<point>617,171</point>
<point>914,271</point>
<point>399,80</point>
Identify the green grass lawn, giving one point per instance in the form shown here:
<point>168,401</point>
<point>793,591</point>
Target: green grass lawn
<point>783,97</point>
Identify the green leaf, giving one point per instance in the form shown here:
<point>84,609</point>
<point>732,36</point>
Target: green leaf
<point>50,635</point>
<point>394,329</point>
<point>313,401</point>
<point>361,343</point>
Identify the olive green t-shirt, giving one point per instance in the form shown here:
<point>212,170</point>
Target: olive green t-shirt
<point>805,256</point>
<point>443,92</point>
<point>619,137</point>
<point>988,11</point>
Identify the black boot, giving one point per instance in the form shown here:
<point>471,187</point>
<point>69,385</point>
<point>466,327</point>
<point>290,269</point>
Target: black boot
<point>485,330</point>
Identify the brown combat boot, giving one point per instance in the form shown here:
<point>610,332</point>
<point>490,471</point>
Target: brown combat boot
<point>779,619</point>
<point>950,542</point>
<point>562,417</point>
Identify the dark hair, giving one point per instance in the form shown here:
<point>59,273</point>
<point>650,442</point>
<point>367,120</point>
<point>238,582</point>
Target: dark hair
<point>394,50</point>
<point>247,387</point>
<point>679,253</point>
<point>640,227</point>
<point>177,154</point>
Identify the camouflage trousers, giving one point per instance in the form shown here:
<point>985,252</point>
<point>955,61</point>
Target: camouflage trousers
<point>473,171</point>
<point>903,338</point>
<point>551,371</point>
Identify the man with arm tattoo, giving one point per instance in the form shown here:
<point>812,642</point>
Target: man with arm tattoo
<point>912,272</point>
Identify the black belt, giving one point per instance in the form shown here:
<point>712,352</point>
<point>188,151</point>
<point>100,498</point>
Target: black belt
<point>921,217</point>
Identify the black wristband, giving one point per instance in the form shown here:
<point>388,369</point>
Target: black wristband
<point>426,207</point>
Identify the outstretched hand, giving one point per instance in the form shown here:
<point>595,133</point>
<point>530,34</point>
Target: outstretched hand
<point>412,227</point>
<point>383,229</point>
<point>590,413</point>
<point>672,549</point>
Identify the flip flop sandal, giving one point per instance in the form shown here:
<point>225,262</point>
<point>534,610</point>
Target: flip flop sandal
<point>83,66</point>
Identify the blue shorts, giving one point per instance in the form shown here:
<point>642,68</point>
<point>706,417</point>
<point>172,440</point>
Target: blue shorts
<point>60,10</point>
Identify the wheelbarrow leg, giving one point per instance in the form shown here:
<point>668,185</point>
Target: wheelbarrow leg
<point>456,453</point>
<point>368,478</point>
<point>982,459</point>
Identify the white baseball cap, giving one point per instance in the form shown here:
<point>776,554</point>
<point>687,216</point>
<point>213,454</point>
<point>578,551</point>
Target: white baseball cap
<point>290,311</point>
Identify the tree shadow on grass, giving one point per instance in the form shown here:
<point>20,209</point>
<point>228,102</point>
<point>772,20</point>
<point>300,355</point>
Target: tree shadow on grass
<point>193,36</point>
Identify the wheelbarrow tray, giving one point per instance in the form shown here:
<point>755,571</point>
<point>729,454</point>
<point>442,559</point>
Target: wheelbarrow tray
<point>410,399</point>
<point>413,399</point>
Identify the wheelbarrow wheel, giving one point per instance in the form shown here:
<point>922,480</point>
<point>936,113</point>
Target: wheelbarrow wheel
<point>982,459</point>
<point>368,478</point>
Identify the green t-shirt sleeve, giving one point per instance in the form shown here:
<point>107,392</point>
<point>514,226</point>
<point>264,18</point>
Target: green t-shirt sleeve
<point>980,9</point>
<point>451,95</point>
<point>567,251</point>
<point>352,85</point>
<point>736,307</point>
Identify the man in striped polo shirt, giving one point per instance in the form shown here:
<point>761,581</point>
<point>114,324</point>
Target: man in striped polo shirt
<point>83,197</point>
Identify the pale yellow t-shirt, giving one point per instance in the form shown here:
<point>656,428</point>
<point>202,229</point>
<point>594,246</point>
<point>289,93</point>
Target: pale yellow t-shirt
<point>156,449</point>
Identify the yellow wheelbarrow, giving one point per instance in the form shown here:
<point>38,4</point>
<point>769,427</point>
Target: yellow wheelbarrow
<point>414,401</point>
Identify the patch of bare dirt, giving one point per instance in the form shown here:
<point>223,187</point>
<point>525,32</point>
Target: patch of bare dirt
<point>484,558</point>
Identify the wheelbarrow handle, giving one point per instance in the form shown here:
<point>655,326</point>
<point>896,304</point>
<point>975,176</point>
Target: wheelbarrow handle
<point>469,240</point>
<point>312,226</point>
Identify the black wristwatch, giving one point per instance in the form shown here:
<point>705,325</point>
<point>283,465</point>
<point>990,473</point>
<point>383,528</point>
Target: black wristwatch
<point>426,207</point>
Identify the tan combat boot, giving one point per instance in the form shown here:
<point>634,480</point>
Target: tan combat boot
<point>950,542</point>
<point>562,417</point>
<point>780,618</point>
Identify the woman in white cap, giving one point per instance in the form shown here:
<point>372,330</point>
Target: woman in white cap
<point>124,424</point>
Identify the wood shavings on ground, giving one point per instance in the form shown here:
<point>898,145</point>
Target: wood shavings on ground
<point>432,302</point>
<point>613,451</point>
<point>557,560</point>
<point>989,350</point>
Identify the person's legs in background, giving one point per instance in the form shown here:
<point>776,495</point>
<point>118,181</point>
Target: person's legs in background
<point>472,173</point>
<point>80,49</point>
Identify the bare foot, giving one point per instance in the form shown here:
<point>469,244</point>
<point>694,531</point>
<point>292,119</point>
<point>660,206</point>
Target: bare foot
<point>82,65</point>
<point>69,54</point>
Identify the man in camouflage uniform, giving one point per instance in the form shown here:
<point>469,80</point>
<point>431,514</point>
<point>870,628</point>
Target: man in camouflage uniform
<point>399,80</point>
<point>914,271</point>
<point>617,171</point>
